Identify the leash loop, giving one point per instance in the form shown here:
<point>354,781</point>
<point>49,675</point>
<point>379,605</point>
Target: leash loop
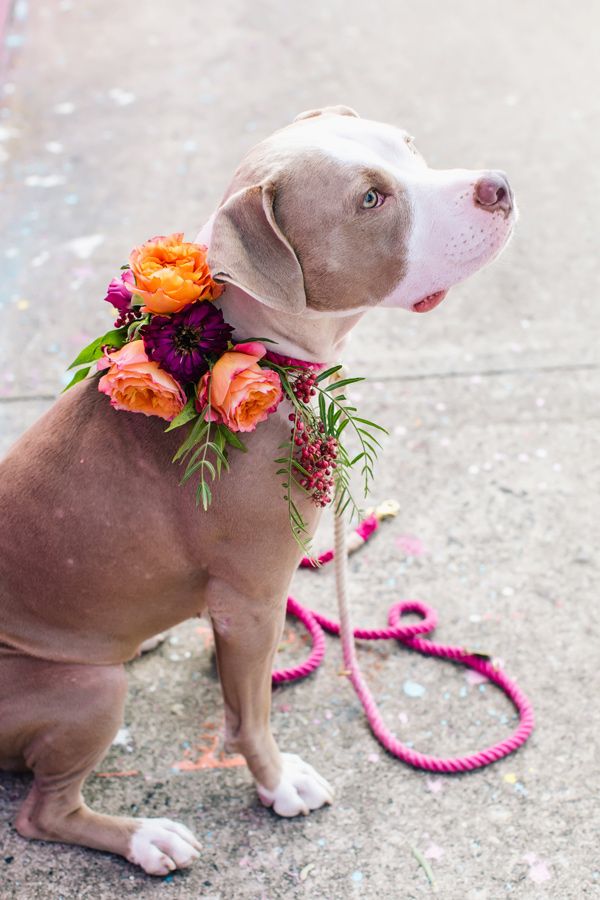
<point>412,636</point>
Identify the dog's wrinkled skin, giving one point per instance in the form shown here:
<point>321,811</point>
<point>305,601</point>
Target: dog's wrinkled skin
<point>100,549</point>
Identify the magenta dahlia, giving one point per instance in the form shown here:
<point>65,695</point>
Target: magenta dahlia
<point>180,343</point>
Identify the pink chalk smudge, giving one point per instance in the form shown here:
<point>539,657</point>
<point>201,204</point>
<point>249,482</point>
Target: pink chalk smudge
<point>472,677</point>
<point>538,868</point>
<point>435,785</point>
<point>434,852</point>
<point>410,544</point>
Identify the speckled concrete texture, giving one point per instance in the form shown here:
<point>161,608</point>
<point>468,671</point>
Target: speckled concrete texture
<point>120,120</point>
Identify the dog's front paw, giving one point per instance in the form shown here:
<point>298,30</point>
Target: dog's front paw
<point>159,846</point>
<point>300,789</point>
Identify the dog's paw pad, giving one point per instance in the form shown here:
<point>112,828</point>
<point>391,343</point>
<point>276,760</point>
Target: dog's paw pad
<point>159,846</point>
<point>300,789</point>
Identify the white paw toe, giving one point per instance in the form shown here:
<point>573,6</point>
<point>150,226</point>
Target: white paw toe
<point>159,846</point>
<point>300,789</point>
<point>151,643</point>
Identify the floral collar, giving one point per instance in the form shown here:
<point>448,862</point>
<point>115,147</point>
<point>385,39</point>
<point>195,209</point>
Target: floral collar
<point>172,354</point>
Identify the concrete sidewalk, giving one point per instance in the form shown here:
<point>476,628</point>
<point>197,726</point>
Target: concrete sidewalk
<point>123,120</point>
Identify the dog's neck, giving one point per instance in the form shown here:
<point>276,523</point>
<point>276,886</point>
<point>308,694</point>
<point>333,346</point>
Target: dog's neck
<point>318,339</point>
<point>314,337</point>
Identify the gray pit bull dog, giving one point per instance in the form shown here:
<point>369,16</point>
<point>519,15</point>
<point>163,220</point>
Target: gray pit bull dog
<point>327,218</point>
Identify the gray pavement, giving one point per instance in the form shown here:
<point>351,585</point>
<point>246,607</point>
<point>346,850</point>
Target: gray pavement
<point>122,120</point>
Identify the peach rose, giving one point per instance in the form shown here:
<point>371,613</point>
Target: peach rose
<point>241,393</point>
<point>136,384</point>
<point>171,273</point>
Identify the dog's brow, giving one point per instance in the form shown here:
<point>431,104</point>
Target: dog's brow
<point>375,177</point>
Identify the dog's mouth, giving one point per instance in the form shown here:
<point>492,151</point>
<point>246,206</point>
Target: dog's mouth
<point>429,302</point>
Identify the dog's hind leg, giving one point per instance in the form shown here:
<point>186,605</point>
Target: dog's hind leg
<point>60,719</point>
<point>246,637</point>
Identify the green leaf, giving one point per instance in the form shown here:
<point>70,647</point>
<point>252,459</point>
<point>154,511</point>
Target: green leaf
<point>133,330</point>
<point>297,521</point>
<point>195,435</point>
<point>78,376</point>
<point>203,494</point>
<point>336,413</point>
<point>201,464</point>
<point>297,517</point>
<point>232,438</point>
<point>208,465</point>
<point>370,450</point>
<point>221,458</point>
<point>333,415</point>
<point>328,373</point>
<point>369,437</point>
<point>220,442</point>
<point>343,424</point>
<point>115,338</point>
<point>371,424</point>
<point>288,388</point>
<point>300,468</point>
<point>196,454</point>
<point>322,409</point>
<point>342,383</point>
<point>188,412</point>
<point>190,470</point>
<point>329,421</point>
<point>340,512</point>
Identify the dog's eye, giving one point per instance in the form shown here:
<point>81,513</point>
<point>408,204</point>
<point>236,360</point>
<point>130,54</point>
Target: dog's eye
<point>372,199</point>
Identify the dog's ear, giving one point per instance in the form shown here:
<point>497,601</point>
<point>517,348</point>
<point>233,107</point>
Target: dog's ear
<point>327,111</point>
<point>248,249</point>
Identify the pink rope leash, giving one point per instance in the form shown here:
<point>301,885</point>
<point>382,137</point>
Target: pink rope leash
<point>411,636</point>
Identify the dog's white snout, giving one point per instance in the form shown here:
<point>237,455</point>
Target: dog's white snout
<point>492,191</point>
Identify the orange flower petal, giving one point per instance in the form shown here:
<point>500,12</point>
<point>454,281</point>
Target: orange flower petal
<point>136,384</point>
<point>171,273</point>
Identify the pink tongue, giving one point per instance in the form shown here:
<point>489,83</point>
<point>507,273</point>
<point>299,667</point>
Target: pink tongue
<point>429,302</point>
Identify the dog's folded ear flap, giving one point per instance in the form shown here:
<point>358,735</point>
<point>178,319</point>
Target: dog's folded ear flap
<point>327,111</point>
<point>248,249</point>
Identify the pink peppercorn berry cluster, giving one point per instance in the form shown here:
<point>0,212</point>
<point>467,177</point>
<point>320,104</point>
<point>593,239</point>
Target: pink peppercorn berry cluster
<point>126,317</point>
<point>304,385</point>
<point>315,452</point>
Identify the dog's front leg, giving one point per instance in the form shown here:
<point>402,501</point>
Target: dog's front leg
<point>247,633</point>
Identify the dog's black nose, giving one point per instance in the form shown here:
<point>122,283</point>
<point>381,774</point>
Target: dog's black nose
<point>492,191</point>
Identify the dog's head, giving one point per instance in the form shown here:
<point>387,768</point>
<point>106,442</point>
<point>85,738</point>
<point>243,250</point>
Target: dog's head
<point>336,214</point>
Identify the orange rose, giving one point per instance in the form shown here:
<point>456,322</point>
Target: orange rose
<point>241,393</point>
<point>136,384</point>
<point>171,273</point>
